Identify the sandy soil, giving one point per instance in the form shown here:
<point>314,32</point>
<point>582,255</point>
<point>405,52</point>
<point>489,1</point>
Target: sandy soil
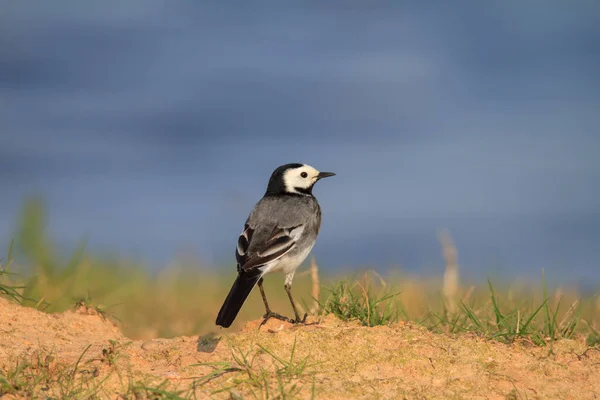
<point>388,362</point>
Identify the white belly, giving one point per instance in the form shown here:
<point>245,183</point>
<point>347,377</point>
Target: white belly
<point>288,264</point>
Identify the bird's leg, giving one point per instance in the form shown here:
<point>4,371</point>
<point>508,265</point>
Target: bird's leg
<point>288,289</point>
<point>268,313</point>
<point>264,297</point>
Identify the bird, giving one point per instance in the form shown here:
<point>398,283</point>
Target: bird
<point>278,235</point>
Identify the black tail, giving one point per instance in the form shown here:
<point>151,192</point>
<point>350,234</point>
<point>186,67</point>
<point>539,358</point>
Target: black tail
<point>240,290</point>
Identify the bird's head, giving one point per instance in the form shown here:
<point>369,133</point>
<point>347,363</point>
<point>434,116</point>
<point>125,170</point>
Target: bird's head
<point>294,179</point>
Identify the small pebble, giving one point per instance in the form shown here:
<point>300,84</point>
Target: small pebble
<point>150,345</point>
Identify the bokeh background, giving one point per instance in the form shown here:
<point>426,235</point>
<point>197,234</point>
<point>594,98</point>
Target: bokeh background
<point>151,127</point>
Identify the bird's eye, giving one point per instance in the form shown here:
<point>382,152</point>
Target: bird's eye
<point>304,174</point>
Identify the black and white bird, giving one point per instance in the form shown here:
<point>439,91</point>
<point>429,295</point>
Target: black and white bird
<point>278,236</point>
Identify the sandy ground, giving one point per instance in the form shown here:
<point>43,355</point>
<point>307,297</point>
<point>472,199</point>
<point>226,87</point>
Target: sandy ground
<point>341,361</point>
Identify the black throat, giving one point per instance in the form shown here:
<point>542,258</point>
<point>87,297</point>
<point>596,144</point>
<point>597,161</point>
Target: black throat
<point>277,187</point>
<point>307,191</point>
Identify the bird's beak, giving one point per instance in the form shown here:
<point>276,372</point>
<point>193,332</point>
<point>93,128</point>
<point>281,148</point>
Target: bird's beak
<point>324,175</point>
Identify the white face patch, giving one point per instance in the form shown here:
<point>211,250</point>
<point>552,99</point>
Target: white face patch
<point>300,178</point>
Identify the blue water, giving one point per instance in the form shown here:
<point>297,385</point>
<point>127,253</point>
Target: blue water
<point>153,127</point>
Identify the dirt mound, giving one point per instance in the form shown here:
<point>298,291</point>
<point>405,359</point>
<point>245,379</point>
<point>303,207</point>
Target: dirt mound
<point>79,354</point>
<point>24,329</point>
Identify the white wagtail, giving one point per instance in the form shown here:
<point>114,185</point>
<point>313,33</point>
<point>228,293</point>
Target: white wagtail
<point>278,235</point>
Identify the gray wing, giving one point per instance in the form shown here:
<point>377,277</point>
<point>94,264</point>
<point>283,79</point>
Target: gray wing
<point>255,250</point>
<point>272,230</point>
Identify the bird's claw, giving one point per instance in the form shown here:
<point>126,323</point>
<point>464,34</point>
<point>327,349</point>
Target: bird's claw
<point>271,314</point>
<point>300,321</point>
<point>280,317</point>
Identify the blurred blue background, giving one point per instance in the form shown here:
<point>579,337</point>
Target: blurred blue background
<point>153,127</point>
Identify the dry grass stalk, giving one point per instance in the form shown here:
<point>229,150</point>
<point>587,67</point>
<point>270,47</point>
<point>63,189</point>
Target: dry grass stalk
<point>316,285</point>
<point>468,295</point>
<point>568,314</point>
<point>381,280</point>
<point>557,295</point>
<point>450,280</point>
<point>366,296</point>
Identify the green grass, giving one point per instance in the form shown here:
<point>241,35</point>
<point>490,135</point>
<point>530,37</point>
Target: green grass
<point>38,377</point>
<point>292,368</point>
<point>42,377</point>
<point>183,299</point>
<point>358,302</point>
<point>140,390</point>
<point>276,377</point>
<point>88,305</point>
<point>538,323</point>
<point>6,289</point>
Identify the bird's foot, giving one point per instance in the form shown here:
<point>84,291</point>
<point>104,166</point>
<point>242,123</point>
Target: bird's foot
<point>271,314</point>
<point>280,317</point>
<point>300,321</point>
